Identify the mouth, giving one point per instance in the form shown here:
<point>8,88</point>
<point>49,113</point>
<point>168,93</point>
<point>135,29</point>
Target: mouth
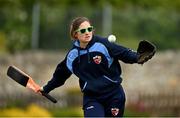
<point>87,37</point>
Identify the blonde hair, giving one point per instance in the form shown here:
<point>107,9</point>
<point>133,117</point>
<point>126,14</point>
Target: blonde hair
<point>75,25</point>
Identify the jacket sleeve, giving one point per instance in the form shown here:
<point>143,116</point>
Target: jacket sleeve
<point>121,53</point>
<point>61,74</point>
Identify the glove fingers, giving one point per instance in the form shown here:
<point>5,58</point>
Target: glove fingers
<point>145,57</point>
<point>146,50</point>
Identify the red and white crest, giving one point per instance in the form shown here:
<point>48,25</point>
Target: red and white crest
<point>97,59</point>
<point>114,111</point>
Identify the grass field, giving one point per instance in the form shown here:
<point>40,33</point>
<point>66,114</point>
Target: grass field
<point>37,111</point>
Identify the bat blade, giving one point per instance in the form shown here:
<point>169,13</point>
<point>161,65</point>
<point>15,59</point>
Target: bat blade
<point>26,81</point>
<point>17,75</point>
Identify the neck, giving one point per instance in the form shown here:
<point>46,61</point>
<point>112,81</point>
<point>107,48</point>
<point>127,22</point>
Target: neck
<point>83,45</point>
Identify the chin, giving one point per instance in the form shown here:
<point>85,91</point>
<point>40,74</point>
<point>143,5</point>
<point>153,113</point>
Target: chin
<point>89,39</point>
<point>86,41</point>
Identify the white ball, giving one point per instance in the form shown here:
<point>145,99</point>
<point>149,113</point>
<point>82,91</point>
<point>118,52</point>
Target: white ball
<point>111,38</point>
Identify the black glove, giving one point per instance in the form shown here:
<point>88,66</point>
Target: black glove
<point>146,51</point>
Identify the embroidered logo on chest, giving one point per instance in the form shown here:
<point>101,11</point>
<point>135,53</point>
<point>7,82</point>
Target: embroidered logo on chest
<point>114,111</point>
<point>97,59</point>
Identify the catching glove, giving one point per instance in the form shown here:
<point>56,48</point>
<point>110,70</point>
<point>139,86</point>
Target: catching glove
<point>146,51</point>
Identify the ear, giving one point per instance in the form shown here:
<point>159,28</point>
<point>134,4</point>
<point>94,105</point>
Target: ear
<point>76,36</point>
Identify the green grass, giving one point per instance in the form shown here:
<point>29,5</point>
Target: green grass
<point>132,113</point>
<point>67,112</point>
<point>78,112</point>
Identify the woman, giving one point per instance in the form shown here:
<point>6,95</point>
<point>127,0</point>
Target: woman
<point>94,60</point>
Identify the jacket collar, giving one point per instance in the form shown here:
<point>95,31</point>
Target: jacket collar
<point>76,43</point>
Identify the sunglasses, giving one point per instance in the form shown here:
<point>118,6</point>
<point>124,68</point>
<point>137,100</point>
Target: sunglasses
<point>84,30</point>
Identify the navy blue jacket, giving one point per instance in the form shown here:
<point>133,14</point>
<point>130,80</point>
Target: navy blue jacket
<point>96,66</point>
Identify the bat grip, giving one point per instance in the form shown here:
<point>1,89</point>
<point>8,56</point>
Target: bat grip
<point>49,97</point>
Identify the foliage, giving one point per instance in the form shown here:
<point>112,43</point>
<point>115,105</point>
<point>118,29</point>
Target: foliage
<point>133,20</point>
<point>156,25</point>
<point>67,112</point>
<point>31,111</point>
<point>2,42</point>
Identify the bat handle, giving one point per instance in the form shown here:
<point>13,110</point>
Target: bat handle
<point>49,97</point>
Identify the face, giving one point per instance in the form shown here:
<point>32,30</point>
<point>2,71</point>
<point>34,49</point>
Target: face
<point>84,33</point>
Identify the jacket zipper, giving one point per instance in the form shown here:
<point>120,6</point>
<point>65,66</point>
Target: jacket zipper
<point>84,86</point>
<point>110,79</point>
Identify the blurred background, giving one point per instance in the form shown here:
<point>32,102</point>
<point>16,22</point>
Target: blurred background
<point>34,36</point>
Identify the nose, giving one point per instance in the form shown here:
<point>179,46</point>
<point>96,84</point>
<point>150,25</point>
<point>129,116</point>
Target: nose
<point>87,33</point>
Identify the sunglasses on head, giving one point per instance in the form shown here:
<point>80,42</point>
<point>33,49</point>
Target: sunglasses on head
<point>84,30</point>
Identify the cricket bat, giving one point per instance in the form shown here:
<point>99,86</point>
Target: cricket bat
<point>25,80</point>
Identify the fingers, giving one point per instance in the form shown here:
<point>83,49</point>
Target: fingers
<point>145,57</point>
<point>40,90</point>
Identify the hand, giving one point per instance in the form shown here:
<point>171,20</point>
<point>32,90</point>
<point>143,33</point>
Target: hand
<point>40,90</point>
<point>146,51</point>
<point>145,57</point>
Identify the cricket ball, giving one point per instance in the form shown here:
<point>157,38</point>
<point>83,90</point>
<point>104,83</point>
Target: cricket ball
<point>111,38</point>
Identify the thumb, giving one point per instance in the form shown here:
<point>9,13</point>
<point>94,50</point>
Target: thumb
<point>40,90</point>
